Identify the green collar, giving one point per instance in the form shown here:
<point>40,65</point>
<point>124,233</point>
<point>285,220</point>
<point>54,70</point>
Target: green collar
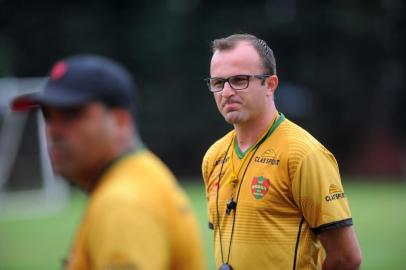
<point>241,154</point>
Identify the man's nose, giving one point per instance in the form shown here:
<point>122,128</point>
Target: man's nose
<point>227,90</point>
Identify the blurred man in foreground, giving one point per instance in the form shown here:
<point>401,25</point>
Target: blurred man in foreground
<point>274,192</point>
<point>137,216</point>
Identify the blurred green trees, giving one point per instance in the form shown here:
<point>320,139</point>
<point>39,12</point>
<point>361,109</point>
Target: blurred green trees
<point>341,64</point>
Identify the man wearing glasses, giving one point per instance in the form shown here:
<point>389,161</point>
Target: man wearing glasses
<point>274,193</point>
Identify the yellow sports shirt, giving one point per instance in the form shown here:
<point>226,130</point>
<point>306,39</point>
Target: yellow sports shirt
<point>288,190</point>
<point>137,218</point>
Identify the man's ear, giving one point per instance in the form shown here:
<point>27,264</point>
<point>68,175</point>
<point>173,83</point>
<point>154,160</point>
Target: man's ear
<point>125,135</point>
<point>125,126</point>
<point>123,117</point>
<point>271,84</point>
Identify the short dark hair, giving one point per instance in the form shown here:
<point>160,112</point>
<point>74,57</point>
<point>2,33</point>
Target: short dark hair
<point>264,51</point>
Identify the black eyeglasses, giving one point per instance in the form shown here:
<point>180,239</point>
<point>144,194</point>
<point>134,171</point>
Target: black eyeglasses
<point>237,82</point>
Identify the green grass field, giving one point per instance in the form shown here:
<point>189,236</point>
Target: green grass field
<point>379,213</point>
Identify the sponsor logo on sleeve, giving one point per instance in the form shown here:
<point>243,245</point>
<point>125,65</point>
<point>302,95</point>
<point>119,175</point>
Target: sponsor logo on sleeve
<point>335,193</point>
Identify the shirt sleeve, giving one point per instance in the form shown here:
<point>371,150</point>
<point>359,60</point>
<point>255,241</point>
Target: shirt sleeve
<point>205,174</point>
<point>127,237</point>
<point>318,192</point>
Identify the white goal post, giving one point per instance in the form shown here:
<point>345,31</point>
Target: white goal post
<point>27,183</point>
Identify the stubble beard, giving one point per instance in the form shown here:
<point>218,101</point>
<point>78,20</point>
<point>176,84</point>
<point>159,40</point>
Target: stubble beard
<point>233,117</point>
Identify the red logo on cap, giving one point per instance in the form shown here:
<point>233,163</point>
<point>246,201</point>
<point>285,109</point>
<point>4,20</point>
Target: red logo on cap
<point>59,70</point>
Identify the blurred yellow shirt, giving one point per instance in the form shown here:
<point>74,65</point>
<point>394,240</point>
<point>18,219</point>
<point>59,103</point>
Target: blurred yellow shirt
<point>290,191</point>
<point>137,218</point>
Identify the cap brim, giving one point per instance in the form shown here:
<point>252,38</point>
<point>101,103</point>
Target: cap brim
<point>57,97</point>
<point>25,103</point>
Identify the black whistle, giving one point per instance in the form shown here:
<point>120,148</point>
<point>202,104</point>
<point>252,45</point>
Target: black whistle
<point>225,266</point>
<point>231,205</point>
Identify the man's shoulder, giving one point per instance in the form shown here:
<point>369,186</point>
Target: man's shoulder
<point>298,145</point>
<point>215,153</point>
<point>221,144</point>
<point>298,141</point>
<point>134,176</point>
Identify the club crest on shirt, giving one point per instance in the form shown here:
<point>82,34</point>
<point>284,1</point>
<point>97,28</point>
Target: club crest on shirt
<point>259,187</point>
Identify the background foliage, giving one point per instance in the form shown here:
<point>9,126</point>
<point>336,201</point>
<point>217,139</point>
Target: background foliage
<point>341,65</point>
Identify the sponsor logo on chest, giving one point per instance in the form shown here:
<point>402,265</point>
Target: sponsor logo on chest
<point>267,157</point>
<point>221,161</point>
<point>213,189</point>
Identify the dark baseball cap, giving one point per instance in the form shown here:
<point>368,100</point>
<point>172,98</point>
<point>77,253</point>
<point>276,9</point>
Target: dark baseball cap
<point>80,79</point>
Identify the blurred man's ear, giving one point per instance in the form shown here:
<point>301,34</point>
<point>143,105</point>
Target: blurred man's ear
<point>125,132</point>
<point>123,117</point>
<point>271,83</point>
